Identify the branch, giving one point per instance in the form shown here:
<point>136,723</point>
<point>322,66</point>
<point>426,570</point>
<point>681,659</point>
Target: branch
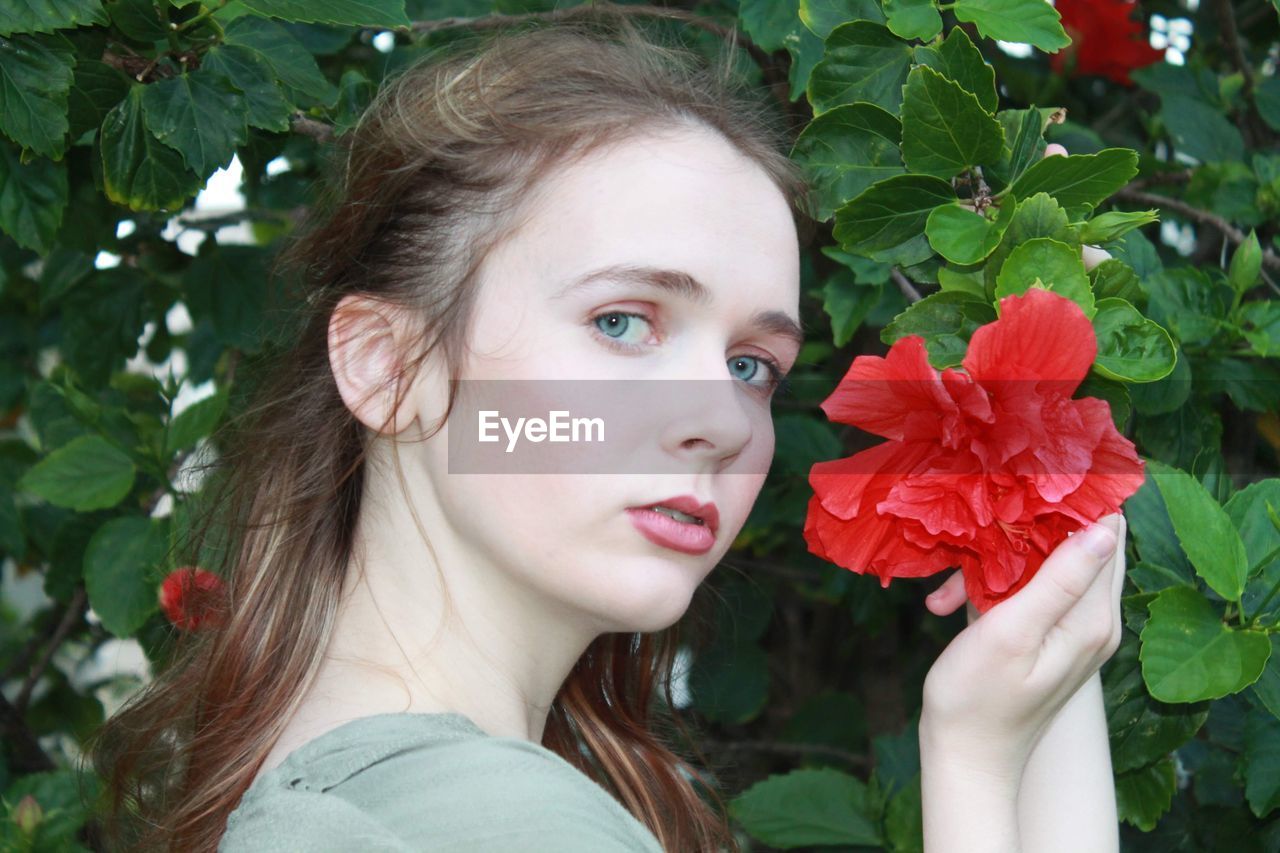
<point>484,22</point>
<point>317,130</point>
<point>1232,233</point>
<point>904,284</point>
<point>70,618</point>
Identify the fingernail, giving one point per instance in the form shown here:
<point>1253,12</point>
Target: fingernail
<point>1099,541</point>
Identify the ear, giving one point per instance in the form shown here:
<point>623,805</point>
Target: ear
<point>366,352</point>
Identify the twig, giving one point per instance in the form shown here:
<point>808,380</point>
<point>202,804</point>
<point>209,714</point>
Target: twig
<point>1179,177</point>
<point>640,9</point>
<point>1234,234</point>
<point>1231,40</point>
<point>317,130</point>
<point>70,618</point>
<point>904,284</point>
<point>26,754</point>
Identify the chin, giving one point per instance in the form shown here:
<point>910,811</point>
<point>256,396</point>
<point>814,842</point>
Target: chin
<point>650,595</point>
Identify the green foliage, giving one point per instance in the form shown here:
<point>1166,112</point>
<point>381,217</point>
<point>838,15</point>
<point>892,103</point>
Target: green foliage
<point>924,142</point>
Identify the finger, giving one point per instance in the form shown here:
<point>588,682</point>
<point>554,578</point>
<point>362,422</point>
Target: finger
<point>944,600</point>
<point>1053,149</point>
<point>1064,577</point>
<point>1092,620</point>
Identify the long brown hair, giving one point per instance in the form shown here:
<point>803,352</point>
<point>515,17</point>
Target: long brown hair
<point>431,179</point>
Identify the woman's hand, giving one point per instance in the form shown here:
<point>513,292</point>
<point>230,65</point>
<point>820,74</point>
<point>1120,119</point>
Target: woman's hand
<point>992,691</point>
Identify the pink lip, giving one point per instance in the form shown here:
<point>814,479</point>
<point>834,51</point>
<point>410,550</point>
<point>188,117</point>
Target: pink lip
<point>685,537</point>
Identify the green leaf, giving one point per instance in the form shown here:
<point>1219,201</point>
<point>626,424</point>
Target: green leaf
<point>904,819</point>
<point>913,19</point>
<point>820,17</point>
<point>32,199</point>
<point>889,213</point>
<point>1200,130</point>
<point>294,66</point>
<point>807,807</point>
<point>847,303</point>
<point>729,682</point>
<point>944,128</point>
<point>1187,303</point>
<point>845,150</point>
<point>1246,264</point>
<point>1261,762</point>
<point>946,320</point>
<point>1055,265</point>
<point>88,473</point>
<point>1025,131</point>
<point>45,16</point>
<point>97,88</point>
<point>1015,20</point>
<point>768,22</point>
<point>1267,97</point>
<point>1115,278</point>
<point>198,114</point>
<point>965,282</point>
<point>138,170</point>
<point>1267,687</point>
<point>195,423</point>
<point>959,60</point>
<point>1078,178</point>
<point>1142,729</point>
<point>35,76</point>
<point>1131,348</point>
<point>1204,530</point>
<point>1112,225</point>
<point>862,62</point>
<point>356,13</point>
<point>228,285</point>
<point>248,72</point>
<point>1188,655</point>
<point>964,236</point>
<point>1261,321</point>
<point>122,571</point>
<point>1143,795</point>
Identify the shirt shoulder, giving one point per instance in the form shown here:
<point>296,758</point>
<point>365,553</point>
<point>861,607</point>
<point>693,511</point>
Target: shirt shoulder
<point>431,782</point>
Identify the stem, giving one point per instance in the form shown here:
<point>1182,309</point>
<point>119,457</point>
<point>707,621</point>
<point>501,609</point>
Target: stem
<point>205,12</point>
<point>904,284</point>
<point>1234,234</point>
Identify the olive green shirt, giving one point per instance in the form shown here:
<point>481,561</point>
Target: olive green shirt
<point>412,782</point>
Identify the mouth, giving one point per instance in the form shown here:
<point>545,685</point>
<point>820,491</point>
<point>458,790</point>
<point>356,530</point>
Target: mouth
<point>681,523</point>
<point>688,510</point>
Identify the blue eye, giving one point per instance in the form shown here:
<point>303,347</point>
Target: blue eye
<point>748,368</point>
<point>616,325</point>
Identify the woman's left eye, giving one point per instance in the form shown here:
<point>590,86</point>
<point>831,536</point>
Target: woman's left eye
<point>756,370</point>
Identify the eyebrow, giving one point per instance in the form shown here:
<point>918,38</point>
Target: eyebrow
<point>680,283</point>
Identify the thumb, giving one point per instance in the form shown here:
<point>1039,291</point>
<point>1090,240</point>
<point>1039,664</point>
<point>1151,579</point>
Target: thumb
<point>1065,576</point>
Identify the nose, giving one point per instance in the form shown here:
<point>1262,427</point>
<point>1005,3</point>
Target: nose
<point>708,422</point>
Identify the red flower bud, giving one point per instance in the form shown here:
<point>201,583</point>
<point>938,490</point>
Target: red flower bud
<point>28,815</point>
<point>193,598</point>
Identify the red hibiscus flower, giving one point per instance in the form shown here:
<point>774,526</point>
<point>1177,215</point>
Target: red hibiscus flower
<point>1106,40</point>
<point>193,598</point>
<point>987,469</point>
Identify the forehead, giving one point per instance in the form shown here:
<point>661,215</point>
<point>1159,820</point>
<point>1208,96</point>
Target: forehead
<point>682,200</point>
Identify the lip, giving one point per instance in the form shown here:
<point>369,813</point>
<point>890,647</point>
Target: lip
<point>679,536</point>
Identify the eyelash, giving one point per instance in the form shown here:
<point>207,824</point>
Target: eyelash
<point>776,376</point>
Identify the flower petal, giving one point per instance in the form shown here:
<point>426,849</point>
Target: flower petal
<point>841,484</point>
<point>879,394</point>
<point>1040,337</point>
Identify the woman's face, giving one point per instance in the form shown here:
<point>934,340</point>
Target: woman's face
<point>685,407</point>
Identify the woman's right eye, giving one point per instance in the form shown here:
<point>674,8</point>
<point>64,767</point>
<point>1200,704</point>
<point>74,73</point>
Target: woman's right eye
<point>623,326</point>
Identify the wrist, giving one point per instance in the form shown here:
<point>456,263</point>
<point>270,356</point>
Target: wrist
<point>993,763</point>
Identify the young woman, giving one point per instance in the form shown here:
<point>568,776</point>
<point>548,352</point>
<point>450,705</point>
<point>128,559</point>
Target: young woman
<point>414,659</point>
